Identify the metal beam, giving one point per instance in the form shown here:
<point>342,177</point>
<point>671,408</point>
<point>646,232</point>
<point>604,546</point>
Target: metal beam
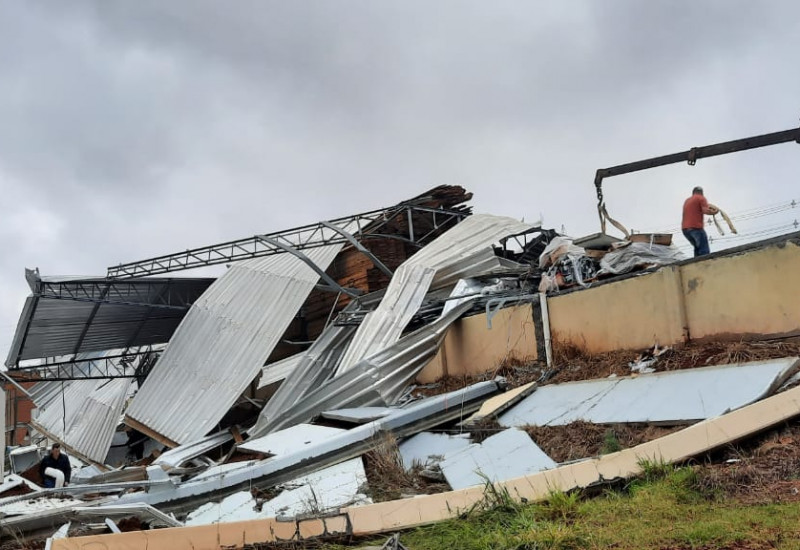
<point>313,235</point>
<point>330,281</point>
<point>88,323</point>
<point>360,247</point>
<point>692,155</point>
<point>100,368</point>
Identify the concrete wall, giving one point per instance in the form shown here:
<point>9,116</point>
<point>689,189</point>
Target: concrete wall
<point>632,313</point>
<point>754,293</point>
<point>470,347</point>
<point>749,294</point>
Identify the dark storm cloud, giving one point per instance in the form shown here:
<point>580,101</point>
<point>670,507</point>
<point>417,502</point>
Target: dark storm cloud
<point>131,129</point>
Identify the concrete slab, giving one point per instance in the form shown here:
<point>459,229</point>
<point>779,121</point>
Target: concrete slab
<point>506,455</point>
<point>675,396</point>
<point>428,448</point>
<point>322,491</point>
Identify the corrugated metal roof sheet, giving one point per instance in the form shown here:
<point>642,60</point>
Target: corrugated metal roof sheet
<point>463,251</point>
<point>70,315</point>
<point>223,342</point>
<point>378,380</point>
<point>82,414</point>
<point>347,444</point>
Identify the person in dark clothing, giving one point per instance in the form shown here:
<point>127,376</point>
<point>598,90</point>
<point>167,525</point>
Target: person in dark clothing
<point>55,468</point>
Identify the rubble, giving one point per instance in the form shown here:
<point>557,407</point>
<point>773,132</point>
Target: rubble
<point>282,401</point>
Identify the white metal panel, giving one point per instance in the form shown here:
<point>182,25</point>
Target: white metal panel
<point>223,342</point>
<point>379,380</point>
<point>461,252</point>
<point>358,415</point>
<point>289,440</point>
<point>236,507</point>
<point>322,491</point>
<point>506,455</point>
<point>428,448</point>
<point>182,454</point>
<point>84,415</point>
<point>279,370</point>
<point>674,396</point>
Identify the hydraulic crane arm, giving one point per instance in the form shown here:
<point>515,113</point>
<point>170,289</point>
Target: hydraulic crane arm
<point>689,156</point>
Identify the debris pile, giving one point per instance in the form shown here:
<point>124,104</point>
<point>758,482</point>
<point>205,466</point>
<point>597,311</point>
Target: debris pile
<point>284,392</point>
<point>570,263</point>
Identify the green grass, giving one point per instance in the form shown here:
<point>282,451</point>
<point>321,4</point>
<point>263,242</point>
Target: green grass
<point>661,510</point>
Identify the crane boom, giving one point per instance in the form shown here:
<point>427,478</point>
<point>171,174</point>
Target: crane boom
<point>691,156</point>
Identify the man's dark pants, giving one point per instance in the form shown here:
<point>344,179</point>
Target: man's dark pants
<point>699,240</point>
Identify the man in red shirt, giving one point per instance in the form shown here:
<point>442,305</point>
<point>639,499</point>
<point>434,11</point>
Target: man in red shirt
<point>692,224</point>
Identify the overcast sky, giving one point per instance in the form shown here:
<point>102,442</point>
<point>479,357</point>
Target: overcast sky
<point>132,129</point>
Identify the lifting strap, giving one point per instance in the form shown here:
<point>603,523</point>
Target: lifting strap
<point>601,208</point>
<point>727,221</point>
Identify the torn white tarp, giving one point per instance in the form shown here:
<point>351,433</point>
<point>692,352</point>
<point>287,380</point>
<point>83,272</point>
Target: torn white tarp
<point>427,449</point>
<point>463,251</point>
<point>222,344</point>
<point>464,289</point>
<point>674,396</point>
<point>637,256</point>
<point>506,455</point>
<point>82,414</point>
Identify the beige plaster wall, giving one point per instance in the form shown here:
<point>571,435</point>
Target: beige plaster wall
<point>757,293</point>
<point>754,294</point>
<point>629,314</point>
<point>470,347</point>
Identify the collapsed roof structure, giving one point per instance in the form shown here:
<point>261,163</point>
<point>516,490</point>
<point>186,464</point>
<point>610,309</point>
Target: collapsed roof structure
<point>251,408</point>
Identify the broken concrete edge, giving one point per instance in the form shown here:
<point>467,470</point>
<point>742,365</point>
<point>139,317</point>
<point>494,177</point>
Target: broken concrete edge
<point>212,537</point>
<point>397,515</point>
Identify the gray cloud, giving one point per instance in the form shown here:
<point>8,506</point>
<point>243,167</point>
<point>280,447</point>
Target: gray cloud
<point>134,129</point>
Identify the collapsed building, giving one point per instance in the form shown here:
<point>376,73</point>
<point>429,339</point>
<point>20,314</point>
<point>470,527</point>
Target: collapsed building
<point>255,407</point>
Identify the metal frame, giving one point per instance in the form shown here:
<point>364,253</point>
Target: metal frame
<point>360,247</point>
<point>155,297</point>
<point>100,368</point>
<point>329,281</point>
<point>368,226</point>
<point>691,156</point>
<point>112,291</point>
